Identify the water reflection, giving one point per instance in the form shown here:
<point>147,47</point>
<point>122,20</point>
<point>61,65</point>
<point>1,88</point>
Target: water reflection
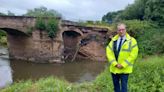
<point>5,70</point>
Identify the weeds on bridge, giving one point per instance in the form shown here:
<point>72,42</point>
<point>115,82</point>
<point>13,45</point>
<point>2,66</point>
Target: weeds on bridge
<point>49,24</point>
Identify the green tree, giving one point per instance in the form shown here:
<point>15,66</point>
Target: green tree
<point>134,11</point>
<point>42,11</point>
<point>155,11</point>
<point>151,10</point>
<point>46,19</point>
<point>111,16</point>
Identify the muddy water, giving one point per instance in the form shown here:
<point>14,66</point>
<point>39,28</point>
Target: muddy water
<point>73,72</point>
<point>77,71</point>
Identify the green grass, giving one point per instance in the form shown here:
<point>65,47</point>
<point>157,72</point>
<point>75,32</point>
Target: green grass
<point>147,77</point>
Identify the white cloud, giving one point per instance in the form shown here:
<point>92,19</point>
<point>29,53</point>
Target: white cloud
<point>70,9</point>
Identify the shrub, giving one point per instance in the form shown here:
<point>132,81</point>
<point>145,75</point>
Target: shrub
<point>40,24</point>
<point>136,27</point>
<point>51,26</point>
<point>149,36</point>
<point>151,42</point>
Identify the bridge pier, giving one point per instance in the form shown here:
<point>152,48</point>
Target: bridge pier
<point>37,48</point>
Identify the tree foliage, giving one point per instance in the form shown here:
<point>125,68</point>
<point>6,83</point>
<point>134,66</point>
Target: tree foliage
<point>154,11</point>
<point>151,10</point>
<point>111,16</point>
<point>42,11</point>
<point>134,11</point>
<point>40,24</point>
<point>50,25</point>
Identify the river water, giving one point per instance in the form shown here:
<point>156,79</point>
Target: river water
<point>77,71</point>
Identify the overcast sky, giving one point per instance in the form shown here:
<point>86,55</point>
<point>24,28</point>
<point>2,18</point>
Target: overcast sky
<point>70,9</point>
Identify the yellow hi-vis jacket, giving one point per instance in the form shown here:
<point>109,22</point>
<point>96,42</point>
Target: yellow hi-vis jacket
<point>126,57</point>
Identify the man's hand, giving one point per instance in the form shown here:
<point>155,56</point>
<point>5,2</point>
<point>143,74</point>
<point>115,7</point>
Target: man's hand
<point>119,66</point>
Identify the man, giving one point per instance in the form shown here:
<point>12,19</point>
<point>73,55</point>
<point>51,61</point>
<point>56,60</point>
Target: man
<point>121,53</point>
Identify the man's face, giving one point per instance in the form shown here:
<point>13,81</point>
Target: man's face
<point>121,30</point>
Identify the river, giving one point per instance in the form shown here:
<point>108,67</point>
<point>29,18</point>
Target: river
<point>77,71</point>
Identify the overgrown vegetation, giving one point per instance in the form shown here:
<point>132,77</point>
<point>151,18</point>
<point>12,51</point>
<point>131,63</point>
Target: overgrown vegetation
<point>147,77</point>
<point>50,25</point>
<point>46,19</point>
<point>43,12</point>
<point>144,20</point>
<point>149,10</point>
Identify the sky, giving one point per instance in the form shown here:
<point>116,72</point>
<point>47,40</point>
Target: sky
<point>70,9</point>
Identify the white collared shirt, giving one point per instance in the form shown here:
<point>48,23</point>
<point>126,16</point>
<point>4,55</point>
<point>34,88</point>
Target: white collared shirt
<point>118,41</point>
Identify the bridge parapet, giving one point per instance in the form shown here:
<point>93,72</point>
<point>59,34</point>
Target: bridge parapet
<point>19,23</point>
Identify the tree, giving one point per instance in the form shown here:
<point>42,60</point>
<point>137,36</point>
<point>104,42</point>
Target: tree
<point>134,11</point>
<point>151,10</point>
<point>50,25</point>
<point>42,12</point>
<point>110,16</point>
<point>155,11</point>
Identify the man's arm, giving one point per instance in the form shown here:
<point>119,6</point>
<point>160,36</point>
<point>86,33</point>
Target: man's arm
<point>133,55</point>
<point>110,54</point>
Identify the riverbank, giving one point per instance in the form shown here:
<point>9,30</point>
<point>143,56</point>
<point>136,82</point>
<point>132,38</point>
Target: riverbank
<point>147,77</point>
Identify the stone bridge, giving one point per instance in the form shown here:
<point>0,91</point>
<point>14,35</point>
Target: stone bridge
<point>38,47</point>
<point>16,24</point>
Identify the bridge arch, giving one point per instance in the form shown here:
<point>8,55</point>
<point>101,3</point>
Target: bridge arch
<point>14,32</point>
<point>71,39</point>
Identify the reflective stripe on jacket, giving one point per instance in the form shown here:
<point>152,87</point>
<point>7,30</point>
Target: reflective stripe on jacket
<point>126,56</point>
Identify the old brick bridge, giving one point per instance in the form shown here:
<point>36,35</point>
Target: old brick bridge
<point>38,47</point>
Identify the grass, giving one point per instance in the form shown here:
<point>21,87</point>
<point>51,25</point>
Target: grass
<point>147,77</point>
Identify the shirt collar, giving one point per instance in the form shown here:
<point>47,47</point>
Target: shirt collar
<point>123,38</point>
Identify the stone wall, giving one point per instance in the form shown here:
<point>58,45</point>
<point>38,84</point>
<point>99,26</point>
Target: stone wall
<point>20,23</point>
<point>36,48</point>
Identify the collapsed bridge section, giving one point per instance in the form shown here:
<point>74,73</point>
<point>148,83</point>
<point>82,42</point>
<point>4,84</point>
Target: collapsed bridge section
<point>84,42</point>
